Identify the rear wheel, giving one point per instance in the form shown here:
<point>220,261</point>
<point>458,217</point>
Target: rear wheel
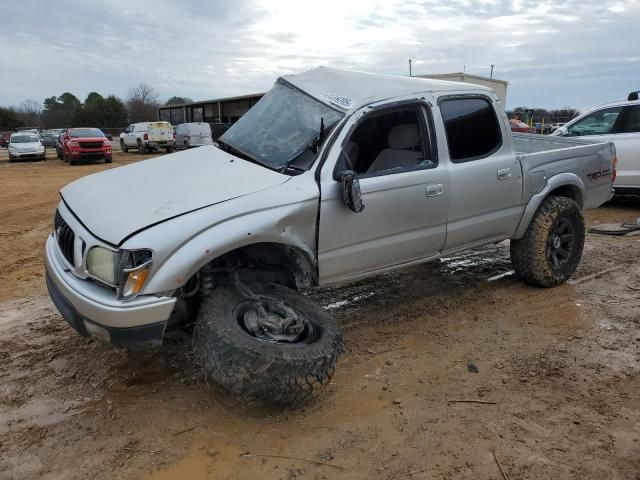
<point>551,248</point>
<point>266,342</point>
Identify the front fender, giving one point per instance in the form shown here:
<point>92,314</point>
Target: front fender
<point>287,216</point>
<point>561,180</point>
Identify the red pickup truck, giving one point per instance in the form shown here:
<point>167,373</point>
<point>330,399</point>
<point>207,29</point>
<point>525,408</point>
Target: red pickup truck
<point>85,144</point>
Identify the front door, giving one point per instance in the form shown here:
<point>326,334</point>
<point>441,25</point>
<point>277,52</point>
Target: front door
<point>404,189</point>
<point>627,141</point>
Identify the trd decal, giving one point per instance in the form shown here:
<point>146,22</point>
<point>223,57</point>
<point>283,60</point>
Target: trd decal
<point>601,174</point>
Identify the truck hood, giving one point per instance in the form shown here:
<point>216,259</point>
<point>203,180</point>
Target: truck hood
<point>119,202</point>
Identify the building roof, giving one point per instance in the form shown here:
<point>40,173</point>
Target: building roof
<point>215,100</point>
<point>349,90</point>
<point>464,75</point>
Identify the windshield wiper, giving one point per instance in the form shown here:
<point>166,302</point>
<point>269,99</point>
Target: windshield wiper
<point>234,151</point>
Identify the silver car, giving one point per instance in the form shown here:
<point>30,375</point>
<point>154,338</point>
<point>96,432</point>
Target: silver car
<point>26,146</point>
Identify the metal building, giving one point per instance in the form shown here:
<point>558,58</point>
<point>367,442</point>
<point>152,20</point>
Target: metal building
<point>498,86</point>
<point>219,110</point>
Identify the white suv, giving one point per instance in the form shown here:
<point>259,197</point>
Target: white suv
<point>618,122</point>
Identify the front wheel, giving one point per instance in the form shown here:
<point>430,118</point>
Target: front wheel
<point>551,248</point>
<point>169,149</point>
<point>266,342</point>
<point>123,146</point>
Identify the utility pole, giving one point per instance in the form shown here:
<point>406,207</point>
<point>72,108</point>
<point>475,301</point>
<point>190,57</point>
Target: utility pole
<point>492,65</point>
<point>410,68</point>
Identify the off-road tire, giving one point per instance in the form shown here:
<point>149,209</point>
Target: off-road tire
<point>142,148</point>
<point>123,147</point>
<point>529,255</point>
<point>254,369</point>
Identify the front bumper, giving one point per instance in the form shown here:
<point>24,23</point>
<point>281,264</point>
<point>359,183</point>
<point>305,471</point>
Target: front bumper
<point>90,155</point>
<point>93,310</point>
<point>25,155</point>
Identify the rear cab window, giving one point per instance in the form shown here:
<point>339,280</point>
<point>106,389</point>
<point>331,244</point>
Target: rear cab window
<point>472,128</point>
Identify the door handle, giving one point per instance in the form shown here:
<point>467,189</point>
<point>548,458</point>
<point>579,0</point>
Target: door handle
<point>435,190</point>
<point>504,173</point>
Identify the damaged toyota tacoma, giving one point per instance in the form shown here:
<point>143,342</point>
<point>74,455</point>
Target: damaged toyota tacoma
<point>331,177</point>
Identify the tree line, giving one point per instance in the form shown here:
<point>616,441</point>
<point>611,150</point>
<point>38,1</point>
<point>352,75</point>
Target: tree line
<point>66,110</point>
<point>561,115</point>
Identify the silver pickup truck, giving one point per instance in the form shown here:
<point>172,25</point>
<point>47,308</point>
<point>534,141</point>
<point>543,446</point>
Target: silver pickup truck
<point>331,177</point>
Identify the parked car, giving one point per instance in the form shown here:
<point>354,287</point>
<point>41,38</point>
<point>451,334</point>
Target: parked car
<point>4,139</point>
<point>80,145</point>
<point>332,176</point>
<point>521,127</point>
<point>26,145</point>
<point>555,126</point>
<point>217,129</point>
<point>617,122</point>
<point>49,138</point>
<point>148,137</point>
<point>193,135</point>
<point>60,145</point>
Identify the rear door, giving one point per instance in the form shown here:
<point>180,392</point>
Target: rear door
<point>486,178</point>
<point>627,141</point>
<point>129,136</point>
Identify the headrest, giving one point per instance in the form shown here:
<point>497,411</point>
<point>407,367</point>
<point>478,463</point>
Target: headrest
<point>404,136</point>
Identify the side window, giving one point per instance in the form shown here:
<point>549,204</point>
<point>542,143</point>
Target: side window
<point>600,122</point>
<point>387,142</point>
<point>472,128</point>
<point>633,120</point>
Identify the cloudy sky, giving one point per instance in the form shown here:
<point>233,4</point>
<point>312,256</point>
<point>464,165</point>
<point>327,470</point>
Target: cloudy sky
<point>565,52</point>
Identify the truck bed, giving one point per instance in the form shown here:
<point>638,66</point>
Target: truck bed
<point>542,157</point>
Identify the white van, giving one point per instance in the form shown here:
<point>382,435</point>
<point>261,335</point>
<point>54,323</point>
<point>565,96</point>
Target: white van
<point>193,135</point>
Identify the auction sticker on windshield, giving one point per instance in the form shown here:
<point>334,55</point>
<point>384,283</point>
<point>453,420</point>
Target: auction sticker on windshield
<point>342,102</point>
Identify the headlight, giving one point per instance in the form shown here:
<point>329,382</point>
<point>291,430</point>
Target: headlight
<point>135,266</point>
<point>127,270</point>
<point>102,263</point>
<point>12,149</point>
<point>41,148</point>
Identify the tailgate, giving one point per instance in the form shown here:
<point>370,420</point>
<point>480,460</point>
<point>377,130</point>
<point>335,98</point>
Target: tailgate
<point>160,132</point>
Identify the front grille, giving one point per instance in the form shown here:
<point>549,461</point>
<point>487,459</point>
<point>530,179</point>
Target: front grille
<point>65,237</point>
<point>90,144</point>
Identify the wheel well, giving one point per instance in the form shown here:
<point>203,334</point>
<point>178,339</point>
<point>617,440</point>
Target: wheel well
<point>568,191</point>
<point>281,263</point>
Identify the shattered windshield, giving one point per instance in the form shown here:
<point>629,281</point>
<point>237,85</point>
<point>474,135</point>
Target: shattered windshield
<point>284,124</point>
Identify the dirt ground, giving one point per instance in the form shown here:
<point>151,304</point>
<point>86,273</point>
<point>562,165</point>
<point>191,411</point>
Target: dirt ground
<point>558,371</point>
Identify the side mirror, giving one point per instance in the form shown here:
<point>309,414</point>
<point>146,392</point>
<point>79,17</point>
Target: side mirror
<point>351,191</point>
